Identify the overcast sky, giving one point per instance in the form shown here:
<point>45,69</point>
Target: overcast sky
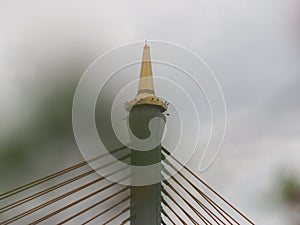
<point>251,45</point>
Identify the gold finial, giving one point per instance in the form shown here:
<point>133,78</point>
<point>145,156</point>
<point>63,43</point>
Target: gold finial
<point>146,94</point>
<point>146,86</point>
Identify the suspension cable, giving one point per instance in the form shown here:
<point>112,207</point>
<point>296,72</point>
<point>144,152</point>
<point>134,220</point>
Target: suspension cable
<point>210,188</point>
<point>94,205</point>
<point>54,175</point>
<point>47,190</point>
<point>76,202</point>
<point>173,211</point>
<point>180,207</point>
<point>116,216</point>
<point>125,221</point>
<point>108,209</point>
<point>193,208</point>
<point>28,212</point>
<point>206,209</point>
<point>167,216</point>
<point>209,200</point>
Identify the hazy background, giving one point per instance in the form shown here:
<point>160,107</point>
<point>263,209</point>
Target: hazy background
<point>252,46</point>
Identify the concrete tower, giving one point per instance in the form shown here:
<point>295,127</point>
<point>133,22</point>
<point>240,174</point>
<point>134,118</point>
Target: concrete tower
<point>146,200</point>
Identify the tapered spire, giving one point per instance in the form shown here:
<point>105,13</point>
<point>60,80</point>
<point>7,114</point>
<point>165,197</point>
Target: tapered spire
<point>146,86</point>
<point>146,94</point>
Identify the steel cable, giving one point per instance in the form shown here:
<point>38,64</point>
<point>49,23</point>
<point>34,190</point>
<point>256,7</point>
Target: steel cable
<point>106,210</point>
<point>28,212</point>
<point>54,175</point>
<point>59,185</point>
<point>205,184</point>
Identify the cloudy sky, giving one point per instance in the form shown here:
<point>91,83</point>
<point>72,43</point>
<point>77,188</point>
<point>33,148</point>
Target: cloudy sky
<point>251,45</point>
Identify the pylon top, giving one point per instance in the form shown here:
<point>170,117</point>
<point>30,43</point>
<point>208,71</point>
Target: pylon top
<point>146,94</point>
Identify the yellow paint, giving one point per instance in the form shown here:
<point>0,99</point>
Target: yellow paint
<point>146,94</point>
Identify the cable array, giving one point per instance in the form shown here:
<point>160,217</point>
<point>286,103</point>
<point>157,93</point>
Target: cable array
<point>183,201</point>
<point>55,175</point>
<point>209,211</point>
<point>10,208</point>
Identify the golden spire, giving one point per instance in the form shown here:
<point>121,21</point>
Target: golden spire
<point>146,94</point>
<point>146,86</point>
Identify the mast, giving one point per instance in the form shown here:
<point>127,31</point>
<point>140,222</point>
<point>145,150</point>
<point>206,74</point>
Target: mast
<point>145,201</point>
